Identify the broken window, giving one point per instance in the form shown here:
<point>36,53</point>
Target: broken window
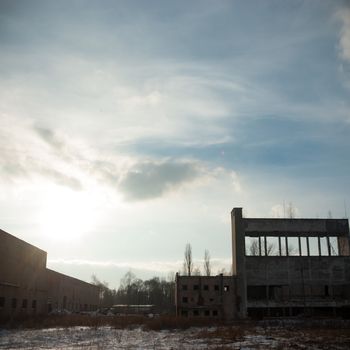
<point>195,313</point>
<point>324,246</point>
<point>333,242</point>
<point>205,287</point>
<point>215,312</point>
<point>226,288</point>
<point>313,244</point>
<point>195,287</point>
<point>293,246</point>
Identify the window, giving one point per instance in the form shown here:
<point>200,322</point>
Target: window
<point>215,312</point>
<point>184,287</point>
<point>195,313</point>
<point>195,287</point>
<point>226,288</point>
<point>216,287</point>
<point>14,303</point>
<point>184,313</point>
<point>211,300</point>
<point>34,304</point>
<point>205,287</point>
<point>2,301</point>
<point>206,313</point>
<point>184,299</point>
<point>24,303</point>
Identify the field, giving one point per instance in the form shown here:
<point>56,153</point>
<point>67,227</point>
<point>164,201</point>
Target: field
<point>282,334</point>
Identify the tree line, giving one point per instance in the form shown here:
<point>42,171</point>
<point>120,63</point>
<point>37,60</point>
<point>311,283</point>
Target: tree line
<point>134,291</point>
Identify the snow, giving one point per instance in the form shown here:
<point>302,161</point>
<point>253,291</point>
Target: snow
<point>87,338</point>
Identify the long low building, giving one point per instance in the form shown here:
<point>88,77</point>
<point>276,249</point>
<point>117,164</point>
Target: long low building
<point>28,287</point>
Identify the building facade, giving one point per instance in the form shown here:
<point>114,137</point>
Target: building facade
<point>205,296</point>
<point>27,287</point>
<point>280,267</point>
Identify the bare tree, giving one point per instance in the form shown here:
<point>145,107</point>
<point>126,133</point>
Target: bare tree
<point>207,263</point>
<point>188,261</point>
<point>254,248</point>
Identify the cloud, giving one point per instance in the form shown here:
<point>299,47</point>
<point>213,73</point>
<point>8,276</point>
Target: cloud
<point>154,266</point>
<point>152,179</point>
<point>344,36</point>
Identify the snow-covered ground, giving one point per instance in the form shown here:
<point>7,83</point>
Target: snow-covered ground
<point>194,338</point>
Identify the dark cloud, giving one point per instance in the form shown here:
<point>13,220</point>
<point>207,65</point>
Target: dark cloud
<point>150,180</point>
<point>49,136</point>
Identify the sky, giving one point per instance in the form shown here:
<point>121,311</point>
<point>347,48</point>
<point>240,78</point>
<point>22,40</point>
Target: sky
<point>131,128</point>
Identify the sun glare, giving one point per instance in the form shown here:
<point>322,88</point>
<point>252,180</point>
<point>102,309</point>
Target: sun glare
<point>67,215</point>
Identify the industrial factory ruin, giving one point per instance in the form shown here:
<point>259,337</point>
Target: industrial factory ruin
<point>280,267</point>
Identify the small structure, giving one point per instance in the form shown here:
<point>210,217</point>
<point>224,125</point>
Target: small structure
<point>206,296</point>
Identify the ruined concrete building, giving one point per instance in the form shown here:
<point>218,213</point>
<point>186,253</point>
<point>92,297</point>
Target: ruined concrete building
<point>281,267</point>
<point>28,287</point>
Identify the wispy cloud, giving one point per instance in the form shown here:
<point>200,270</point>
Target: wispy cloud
<point>154,266</point>
<point>343,15</point>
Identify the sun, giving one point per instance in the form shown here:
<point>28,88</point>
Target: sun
<point>67,214</point>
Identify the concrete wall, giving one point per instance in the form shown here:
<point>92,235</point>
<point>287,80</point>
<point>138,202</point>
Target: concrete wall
<point>206,296</point>
<point>28,287</point>
<point>287,282</point>
<point>65,292</point>
<point>22,277</point>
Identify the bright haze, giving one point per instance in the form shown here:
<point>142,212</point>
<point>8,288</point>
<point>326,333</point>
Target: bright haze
<point>130,128</point>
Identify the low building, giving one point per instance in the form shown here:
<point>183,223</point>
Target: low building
<point>206,296</point>
<point>27,287</point>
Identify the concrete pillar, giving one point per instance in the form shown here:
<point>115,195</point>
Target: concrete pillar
<point>319,245</point>
<point>259,238</point>
<point>238,260</point>
<point>329,246</point>
<point>279,246</point>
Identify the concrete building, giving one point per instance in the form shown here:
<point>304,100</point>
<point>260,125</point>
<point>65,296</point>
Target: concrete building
<point>281,267</point>
<point>205,296</point>
<point>28,287</point>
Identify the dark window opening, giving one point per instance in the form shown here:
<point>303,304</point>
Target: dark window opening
<point>184,299</point>
<point>184,287</point>
<point>226,288</point>
<point>215,312</point>
<point>256,292</point>
<point>205,287</point>
<point>184,313</point>
<point>2,301</point>
<point>195,313</point>
<point>34,304</point>
<point>216,287</point>
<point>326,291</point>
<point>211,300</point>
<point>195,287</point>
<point>206,313</point>
<point>14,303</point>
<point>24,303</point>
